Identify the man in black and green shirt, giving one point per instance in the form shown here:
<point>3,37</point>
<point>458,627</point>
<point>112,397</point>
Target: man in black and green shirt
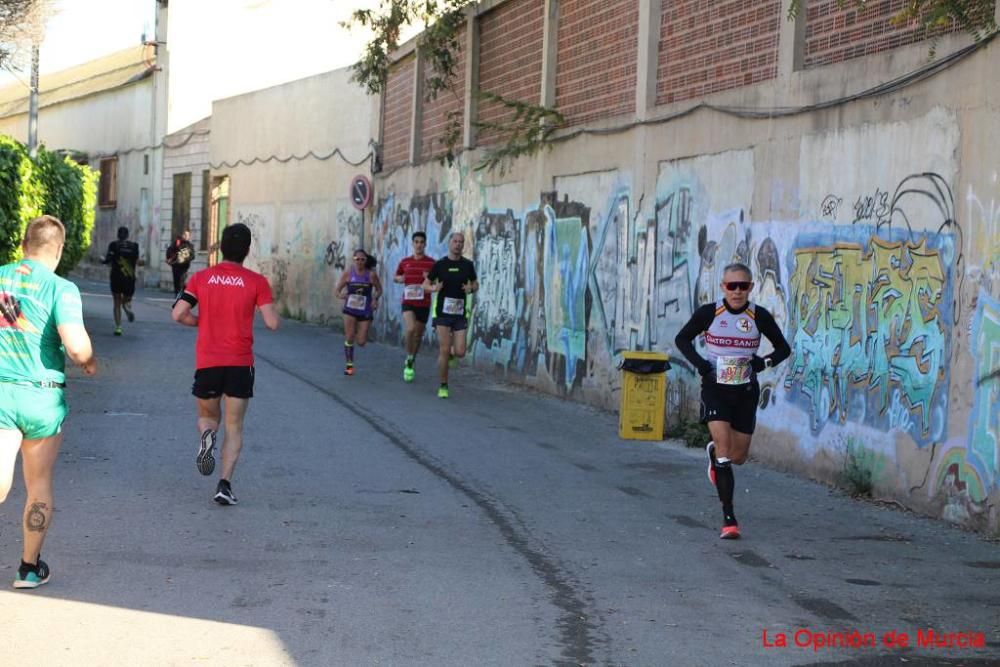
<point>123,255</point>
<point>452,280</point>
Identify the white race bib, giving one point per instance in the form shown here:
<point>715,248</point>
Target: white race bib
<point>357,301</point>
<point>454,306</point>
<point>413,292</point>
<point>732,370</point>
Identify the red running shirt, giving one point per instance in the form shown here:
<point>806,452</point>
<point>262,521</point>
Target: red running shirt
<point>413,270</point>
<point>228,295</point>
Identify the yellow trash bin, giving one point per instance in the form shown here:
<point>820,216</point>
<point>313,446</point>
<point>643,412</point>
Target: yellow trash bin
<point>644,394</point>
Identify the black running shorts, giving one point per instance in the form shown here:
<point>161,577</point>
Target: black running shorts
<point>235,381</point>
<point>122,285</point>
<point>453,322</point>
<point>422,313</point>
<point>736,404</point>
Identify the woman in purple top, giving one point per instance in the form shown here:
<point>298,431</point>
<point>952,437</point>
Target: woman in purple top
<point>360,289</point>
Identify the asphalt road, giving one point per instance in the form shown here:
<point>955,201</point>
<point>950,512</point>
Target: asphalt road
<point>379,525</point>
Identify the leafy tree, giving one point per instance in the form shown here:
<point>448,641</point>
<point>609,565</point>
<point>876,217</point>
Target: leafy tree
<point>52,184</point>
<point>70,195</point>
<point>22,22</point>
<point>21,197</point>
<point>527,127</point>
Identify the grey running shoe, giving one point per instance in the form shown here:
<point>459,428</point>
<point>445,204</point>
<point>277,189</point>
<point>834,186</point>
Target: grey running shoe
<point>205,460</point>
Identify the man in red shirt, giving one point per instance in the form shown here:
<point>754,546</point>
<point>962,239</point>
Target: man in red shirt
<point>227,295</point>
<point>416,302</point>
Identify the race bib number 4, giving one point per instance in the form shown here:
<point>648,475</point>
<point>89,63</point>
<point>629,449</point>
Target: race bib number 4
<point>413,292</point>
<point>454,306</point>
<point>732,370</point>
<point>357,301</point>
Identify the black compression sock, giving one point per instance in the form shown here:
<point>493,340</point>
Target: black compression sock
<point>725,484</point>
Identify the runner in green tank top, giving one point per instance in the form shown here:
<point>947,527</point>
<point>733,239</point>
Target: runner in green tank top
<point>41,321</point>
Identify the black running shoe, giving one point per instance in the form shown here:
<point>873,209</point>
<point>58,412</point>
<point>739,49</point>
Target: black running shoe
<point>128,312</point>
<point>224,493</point>
<point>205,460</point>
<point>31,576</point>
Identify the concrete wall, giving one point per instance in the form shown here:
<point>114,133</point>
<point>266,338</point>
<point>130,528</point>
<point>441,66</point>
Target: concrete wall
<point>113,122</point>
<point>872,226</point>
<point>277,146</point>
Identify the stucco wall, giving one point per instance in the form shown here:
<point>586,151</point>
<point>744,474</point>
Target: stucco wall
<point>299,209</point>
<point>873,230</point>
<point>108,123</point>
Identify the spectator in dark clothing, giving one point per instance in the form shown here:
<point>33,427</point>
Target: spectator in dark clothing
<point>179,256</point>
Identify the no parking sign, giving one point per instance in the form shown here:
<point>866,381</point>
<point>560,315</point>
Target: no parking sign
<point>361,192</point>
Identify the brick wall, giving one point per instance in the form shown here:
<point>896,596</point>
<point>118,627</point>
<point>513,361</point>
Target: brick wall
<point>398,113</point>
<point>510,58</point>
<point>834,35</point>
<point>596,65</point>
<point>706,47</point>
<point>436,112</point>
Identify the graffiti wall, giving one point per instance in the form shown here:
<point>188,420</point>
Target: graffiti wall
<point>890,304</point>
<point>302,248</point>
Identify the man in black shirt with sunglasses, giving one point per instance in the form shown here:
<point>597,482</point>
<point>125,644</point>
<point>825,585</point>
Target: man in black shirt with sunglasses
<point>732,329</point>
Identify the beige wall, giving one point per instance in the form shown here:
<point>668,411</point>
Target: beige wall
<point>112,122</point>
<point>873,228</point>
<point>300,213</point>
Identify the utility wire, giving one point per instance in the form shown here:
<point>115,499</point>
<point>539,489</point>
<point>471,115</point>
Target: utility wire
<point>232,165</point>
<point>284,160</point>
<point>162,144</point>
<point>763,113</point>
<point>753,113</point>
<point>886,88</point>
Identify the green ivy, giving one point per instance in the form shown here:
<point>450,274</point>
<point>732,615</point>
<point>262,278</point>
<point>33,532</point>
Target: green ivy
<point>19,197</point>
<point>70,195</point>
<point>51,184</point>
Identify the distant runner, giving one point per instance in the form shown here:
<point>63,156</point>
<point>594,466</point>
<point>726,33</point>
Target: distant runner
<point>122,255</point>
<point>452,279</point>
<point>360,289</point>
<point>411,273</point>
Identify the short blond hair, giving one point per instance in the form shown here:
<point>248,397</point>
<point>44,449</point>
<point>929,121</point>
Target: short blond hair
<point>44,232</point>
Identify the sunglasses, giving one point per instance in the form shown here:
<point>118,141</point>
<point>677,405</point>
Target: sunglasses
<point>741,285</point>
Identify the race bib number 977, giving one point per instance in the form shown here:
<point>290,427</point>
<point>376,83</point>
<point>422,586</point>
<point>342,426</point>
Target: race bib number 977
<point>732,370</point>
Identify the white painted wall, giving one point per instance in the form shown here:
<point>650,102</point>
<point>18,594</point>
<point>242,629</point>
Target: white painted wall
<point>299,210</point>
